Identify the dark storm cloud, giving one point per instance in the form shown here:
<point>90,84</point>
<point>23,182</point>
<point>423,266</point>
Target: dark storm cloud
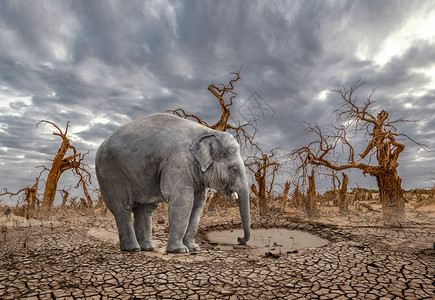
<point>99,64</point>
<point>97,131</point>
<point>16,132</point>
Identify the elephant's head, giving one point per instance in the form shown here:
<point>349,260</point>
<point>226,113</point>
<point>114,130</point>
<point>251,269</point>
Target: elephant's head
<point>222,169</point>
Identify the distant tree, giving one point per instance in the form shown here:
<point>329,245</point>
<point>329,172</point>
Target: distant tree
<point>343,204</point>
<point>355,119</point>
<point>100,202</point>
<point>285,195</point>
<point>28,194</point>
<point>65,195</point>
<point>264,167</point>
<point>339,192</point>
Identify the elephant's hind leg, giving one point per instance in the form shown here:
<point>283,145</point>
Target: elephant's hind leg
<point>143,214</point>
<point>127,237</point>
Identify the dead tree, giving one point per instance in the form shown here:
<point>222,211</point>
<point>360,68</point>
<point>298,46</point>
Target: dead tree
<point>297,195</point>
<point>285,195</point>
<point>29,196</point>
<point>65,195</point>
<point>225,95</point>
<point>100,202</point>
<point>336,193</point>
<point>355,119</point>
<point>341,193</point>
<point>358,195</point>
<point>311,200</point>
<point>264,168</point>
<point>60,164</point>
<point>343,203</point>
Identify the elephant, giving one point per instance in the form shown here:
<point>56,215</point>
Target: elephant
<point>165,158</point>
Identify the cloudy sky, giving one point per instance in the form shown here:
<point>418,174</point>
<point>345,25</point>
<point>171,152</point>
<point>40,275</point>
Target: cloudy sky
<point>100,64</point>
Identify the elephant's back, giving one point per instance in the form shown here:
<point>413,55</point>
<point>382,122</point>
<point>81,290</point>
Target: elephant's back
<point>159,128</point>
<point>154,135</point>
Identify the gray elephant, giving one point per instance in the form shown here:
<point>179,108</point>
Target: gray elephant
<point>160,158</point>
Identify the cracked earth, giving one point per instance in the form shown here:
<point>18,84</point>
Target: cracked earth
<point>78,257</point>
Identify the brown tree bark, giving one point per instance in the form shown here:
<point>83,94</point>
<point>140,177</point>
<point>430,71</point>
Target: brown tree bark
<point>391,196</point>
<point>297,197</point>
<point>64,197</point>
<point>31,199</point>
<point>343,203</point>
<point>83,204</point>
<point>311,200</point>
<point>58,166</point>
<point>285,195</point>
<point>100,202</point>
<point>336,198</point>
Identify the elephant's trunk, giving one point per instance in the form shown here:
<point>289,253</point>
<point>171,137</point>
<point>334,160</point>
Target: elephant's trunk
<point>244,207</point>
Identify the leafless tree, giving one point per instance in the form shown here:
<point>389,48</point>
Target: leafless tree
<point>65,195</point>
<point>311,200</point>
<point>285,195</point>
<point>29,196</point>
<point>60,164</point>
<point>264,166</point>
<point>354,118</point>
<point>225,95</point>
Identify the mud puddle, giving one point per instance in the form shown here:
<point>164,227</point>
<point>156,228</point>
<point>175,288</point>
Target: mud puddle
<point>275,241</point>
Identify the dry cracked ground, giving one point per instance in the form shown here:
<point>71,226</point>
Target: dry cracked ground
<point>75,257</point>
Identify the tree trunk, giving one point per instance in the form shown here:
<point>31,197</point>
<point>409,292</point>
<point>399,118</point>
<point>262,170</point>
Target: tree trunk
<point>31,199</point>
<point>64,198</point>
<point>343,205</point>
<point>54,174</point>
<point>391,196</point>
<point>297,197</point>
<point>285,195</point>
<point>311,203</point>
<point>50,187</point>
<point>336,195</point>
<point>262,201</point>
<point>260,178</point>
<point>89,202</point>
<point>83,204</point>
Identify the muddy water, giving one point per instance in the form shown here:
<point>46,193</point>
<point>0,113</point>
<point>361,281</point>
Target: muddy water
<point>276,241</point>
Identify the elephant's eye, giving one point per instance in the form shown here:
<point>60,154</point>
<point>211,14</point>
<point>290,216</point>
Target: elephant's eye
<point>233,170</point>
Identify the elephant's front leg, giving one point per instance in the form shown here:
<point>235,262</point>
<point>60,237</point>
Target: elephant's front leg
<point>177,189</point>
<point>198,205</point>
<point>179,214</point>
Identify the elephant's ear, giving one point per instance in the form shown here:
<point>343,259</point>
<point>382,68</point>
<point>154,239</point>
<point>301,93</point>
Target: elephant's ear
<point>206,149</point>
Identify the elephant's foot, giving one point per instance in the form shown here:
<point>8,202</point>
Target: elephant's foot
<point>131,246</point>
<point>177,249</point>
<point>131,250</point>
<point>135,249</point>
<point>192,246</point>
<point>147,247</point>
